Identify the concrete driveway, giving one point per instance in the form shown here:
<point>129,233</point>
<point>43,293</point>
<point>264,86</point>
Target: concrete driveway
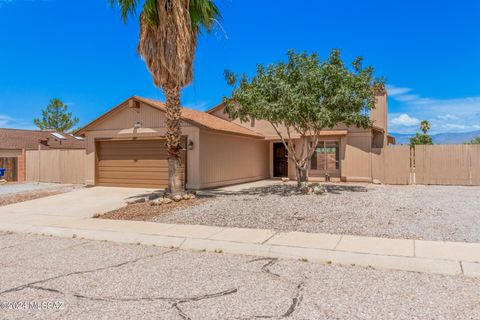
<point>81,203</point>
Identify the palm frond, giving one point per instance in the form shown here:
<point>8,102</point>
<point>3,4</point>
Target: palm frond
<point>127,7</point>
<point>203,15</point>
<point>150,12</point>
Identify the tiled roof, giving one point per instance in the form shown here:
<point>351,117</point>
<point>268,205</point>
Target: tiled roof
<point>30,139</point>
<point>205,119</point>
<point>194,117</point>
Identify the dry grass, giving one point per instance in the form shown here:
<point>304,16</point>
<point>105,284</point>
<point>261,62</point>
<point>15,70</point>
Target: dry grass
<point>26,196</point>
<point>145,212</point>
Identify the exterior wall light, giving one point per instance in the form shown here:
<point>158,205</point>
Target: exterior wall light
<point>190,145</point>
<point>137,125</point>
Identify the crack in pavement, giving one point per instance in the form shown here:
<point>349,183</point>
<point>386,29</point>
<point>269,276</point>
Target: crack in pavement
<point>32,284</point>
<point>175,300</point>
<point>182,314</point>
<point>296,300</point>
<point>266,267</point>
<point>45,289</point>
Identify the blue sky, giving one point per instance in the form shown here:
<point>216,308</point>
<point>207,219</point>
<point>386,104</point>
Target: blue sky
<point>82,53</point>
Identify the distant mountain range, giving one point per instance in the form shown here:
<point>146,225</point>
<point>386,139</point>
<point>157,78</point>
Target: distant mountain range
<point>440,138</point>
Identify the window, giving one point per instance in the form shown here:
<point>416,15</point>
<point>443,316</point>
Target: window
<point>326,157</point>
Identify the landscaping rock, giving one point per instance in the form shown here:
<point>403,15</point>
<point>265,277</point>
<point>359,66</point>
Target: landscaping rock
<point>136,200</point>
<point>177,198</point>
<point>156,202</point>
<point>376,181</point>
<point>192,196</point>
<point>306,189</point>
<point>319,189</point>
<point>167,200</point>
<point>285,179</point>
<point>186,197</point>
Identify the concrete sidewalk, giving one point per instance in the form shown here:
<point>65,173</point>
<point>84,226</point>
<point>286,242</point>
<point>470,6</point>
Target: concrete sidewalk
<point>449,258</point>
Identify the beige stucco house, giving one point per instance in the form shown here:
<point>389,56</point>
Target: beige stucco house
<point>126,147</point>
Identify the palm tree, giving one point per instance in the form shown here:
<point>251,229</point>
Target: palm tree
<point>168,37</point>
<point>425,126</point>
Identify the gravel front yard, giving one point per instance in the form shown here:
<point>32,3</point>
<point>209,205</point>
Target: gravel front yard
<point>101,280</point>
<point>449,213</point>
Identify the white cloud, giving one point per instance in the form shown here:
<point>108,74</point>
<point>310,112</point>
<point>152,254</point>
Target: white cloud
<point>395,91</point>
<point>407,97</point>
<point>9,122</point>
<point>454,126</point>
<point>404,120</point>
<point>445,115</point>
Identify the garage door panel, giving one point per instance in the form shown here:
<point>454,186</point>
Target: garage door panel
<point>131,144</point>
<point>132,169</point>
<point>132,181</point>
<point>133,155</point>
<point>131,184</point>
<point>118,171</point>
<point>134,175</point>
<point>133,163</point>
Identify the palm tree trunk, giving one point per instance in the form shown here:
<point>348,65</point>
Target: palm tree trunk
<point>174,138</point>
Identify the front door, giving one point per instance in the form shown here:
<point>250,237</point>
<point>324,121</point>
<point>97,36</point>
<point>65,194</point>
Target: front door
<point>280,160</point>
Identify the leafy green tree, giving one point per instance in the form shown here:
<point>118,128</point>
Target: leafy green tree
<point>167,42</point>
<point>475,140</point>
<point>422,138</point>
<point>56,117</point>
<point>304,96</point>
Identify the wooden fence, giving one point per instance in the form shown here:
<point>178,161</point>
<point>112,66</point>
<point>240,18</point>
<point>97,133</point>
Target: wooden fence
<point>10,165</point>
<point>435,164</point>
<point>392,165</point>
<point>447,164</point>
<point>57,166</point>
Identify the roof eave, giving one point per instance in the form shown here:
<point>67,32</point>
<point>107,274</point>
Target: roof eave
<point>82,130</point>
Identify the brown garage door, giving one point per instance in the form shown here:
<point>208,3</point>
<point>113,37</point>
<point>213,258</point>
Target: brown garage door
<point>133,163</point>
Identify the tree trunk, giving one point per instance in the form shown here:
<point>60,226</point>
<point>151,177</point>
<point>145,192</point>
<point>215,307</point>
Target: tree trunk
<point>301,175</point>
<point>174,138</point>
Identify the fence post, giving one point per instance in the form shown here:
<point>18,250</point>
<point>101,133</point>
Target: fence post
<point>469,150</point>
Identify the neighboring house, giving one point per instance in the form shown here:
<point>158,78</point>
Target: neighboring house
<point>126,147</point>
<point>15,142</point>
